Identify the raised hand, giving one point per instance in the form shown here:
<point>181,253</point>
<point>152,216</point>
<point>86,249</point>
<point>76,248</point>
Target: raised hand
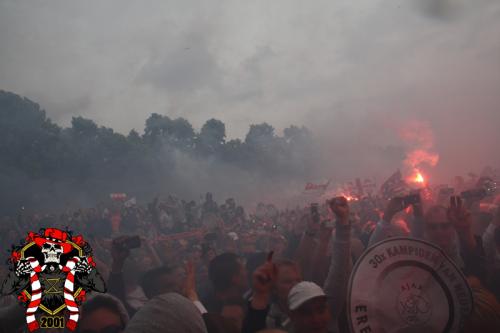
<point>394,206</point>
<point>340,208</point>
<point>263,279</point>
<point>264,276</point>
<point>313,224</point>
<point>458,215</point>
<point>189,286</point>
<point>119,253</point>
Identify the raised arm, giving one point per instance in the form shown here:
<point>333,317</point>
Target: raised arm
<point>306,247</point>
<point>340,266</point>
<point>489,237</point>
<point>263,280</point>
<point>320,259</point>
<point>471,249</point>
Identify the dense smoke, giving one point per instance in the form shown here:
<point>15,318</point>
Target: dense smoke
<point>47,166</point>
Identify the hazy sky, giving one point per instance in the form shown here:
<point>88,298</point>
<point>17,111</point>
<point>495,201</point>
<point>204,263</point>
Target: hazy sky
<point>340,66</point>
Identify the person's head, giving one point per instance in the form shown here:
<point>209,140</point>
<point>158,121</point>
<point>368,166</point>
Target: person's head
<point>438,229</point>
<point>103,314</point>
<point>308,308</point>
<point>167,313</point>
<point>288,276</point>
<point>227,273</point>
<point>162,280</point>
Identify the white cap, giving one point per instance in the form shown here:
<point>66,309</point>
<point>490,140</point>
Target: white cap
<point>302,292</point>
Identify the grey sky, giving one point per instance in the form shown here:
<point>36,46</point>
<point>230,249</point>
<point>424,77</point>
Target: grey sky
<point>324,64</point>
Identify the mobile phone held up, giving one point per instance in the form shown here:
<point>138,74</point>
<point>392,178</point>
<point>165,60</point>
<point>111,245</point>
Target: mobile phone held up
<point>315,213</point>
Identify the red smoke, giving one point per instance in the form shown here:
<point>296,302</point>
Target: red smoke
<point>420,143</point>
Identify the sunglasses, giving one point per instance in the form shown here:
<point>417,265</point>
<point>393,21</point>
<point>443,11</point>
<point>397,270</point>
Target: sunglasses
<point>107,329</point>
<point>437,226</point>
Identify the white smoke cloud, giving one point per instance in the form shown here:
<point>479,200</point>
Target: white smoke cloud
<point>352,71</point>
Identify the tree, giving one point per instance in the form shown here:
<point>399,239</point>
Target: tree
<point>212,137</point>
<point>161,130</point>
<point>181,134</point>
<point>134,138</point>
<point>28,138</point>
<point>39,159</point>
<point>157,128</point>
<point>297,135</point>
<point>260,135</point>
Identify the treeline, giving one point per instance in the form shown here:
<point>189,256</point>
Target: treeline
<point>44,164</point>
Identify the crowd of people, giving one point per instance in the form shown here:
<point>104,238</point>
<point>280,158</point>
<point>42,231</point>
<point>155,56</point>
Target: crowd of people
<point>184,266</point>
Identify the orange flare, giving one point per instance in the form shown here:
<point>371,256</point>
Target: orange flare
<point>417,178</point>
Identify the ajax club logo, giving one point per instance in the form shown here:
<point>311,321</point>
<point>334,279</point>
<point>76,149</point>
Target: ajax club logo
<point>413,306</point>
<point>51,272</point>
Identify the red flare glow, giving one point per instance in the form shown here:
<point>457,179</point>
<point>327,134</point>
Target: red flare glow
<point>349,197</point>
<point>417,178</point>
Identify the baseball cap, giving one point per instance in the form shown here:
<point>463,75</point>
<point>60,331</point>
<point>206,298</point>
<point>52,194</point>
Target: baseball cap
<point>303,292</point>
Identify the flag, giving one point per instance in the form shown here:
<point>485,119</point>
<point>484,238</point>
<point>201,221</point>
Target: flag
<point>130,203</point>
<point>394,186</point>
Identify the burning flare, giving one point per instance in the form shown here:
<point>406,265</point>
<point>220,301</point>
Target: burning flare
<point>417,178</point>
<point>420,140</point>
<point>349,197</point>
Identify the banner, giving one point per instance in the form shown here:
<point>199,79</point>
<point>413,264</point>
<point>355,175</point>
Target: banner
<point>407,285</point>
<point>315,187</point>
<point>118,196</point>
